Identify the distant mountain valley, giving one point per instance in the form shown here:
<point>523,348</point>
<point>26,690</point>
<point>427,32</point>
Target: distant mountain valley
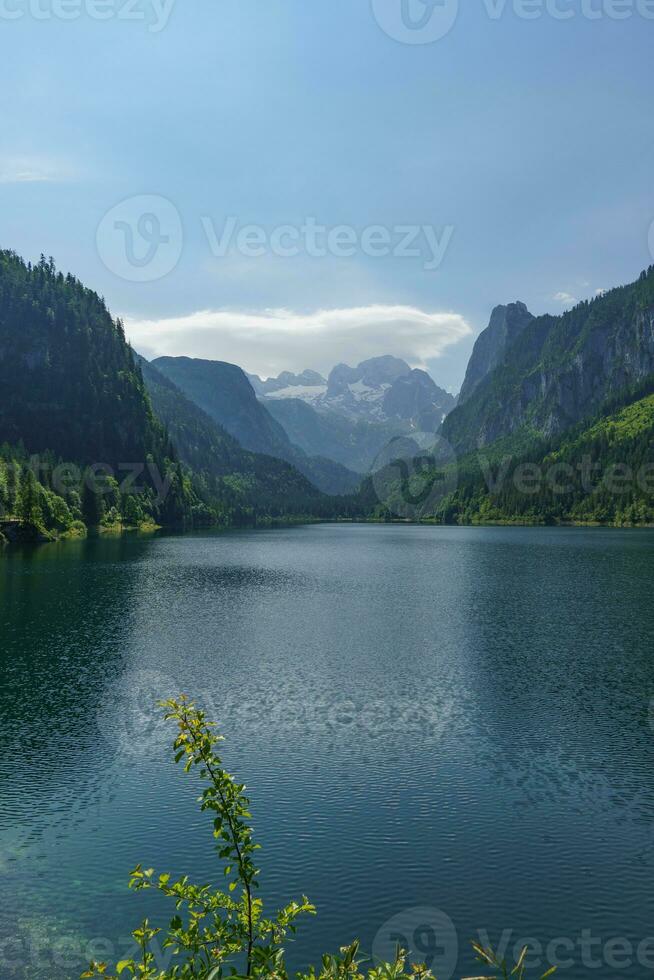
<point>234,449</point>
<point>353,413</point>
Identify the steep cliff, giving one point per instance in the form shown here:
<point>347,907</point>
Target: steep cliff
<point>561,369</point>
<point>505,326</point>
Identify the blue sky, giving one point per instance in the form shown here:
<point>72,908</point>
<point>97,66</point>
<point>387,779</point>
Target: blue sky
<point>525,145</point>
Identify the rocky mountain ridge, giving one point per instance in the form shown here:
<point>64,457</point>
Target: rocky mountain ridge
<point>561,369</point>
<point>352,414</point>
<point>225,394</point>
<point>505,326</point>
<point>379,389</point>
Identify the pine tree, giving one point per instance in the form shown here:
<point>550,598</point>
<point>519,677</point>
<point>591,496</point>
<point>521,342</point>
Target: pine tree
<point>92,505</point>
<point>13,488</point>
<point>30,509</point>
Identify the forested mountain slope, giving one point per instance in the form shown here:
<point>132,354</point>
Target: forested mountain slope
<point>598,472</point>
<point>68,379</point>
<point>560,369</point>
<point>71,391</point>
<point>219,463</point>
<point>224,392</point>
<point>80,444</point>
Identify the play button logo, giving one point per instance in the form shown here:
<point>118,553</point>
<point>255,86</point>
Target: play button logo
<point>416,21</point>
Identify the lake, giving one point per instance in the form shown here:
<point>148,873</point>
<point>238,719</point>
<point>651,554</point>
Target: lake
<point>446,733</point>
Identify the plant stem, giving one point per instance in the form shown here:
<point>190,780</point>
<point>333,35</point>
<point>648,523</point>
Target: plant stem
<point>239,855</point>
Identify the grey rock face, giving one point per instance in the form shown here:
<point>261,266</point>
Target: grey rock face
<point>416,397</point>
<point>352,415</point>
<point>562,369</point>
<point>308,379</point>
<point>506,324</point>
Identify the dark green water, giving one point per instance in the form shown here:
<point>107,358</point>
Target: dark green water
<point>442,731</point>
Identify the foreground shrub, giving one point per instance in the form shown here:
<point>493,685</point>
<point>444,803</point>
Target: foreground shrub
<point>223,933</point>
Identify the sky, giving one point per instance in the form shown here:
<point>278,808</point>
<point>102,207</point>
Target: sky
<point>289,185</point>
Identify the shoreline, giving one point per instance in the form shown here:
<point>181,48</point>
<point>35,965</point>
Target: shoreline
<point>116,531</point>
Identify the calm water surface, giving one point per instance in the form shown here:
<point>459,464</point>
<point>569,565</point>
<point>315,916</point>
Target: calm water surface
<point>436,725</point>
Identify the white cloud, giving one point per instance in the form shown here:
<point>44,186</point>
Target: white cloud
<point>565,298</point>
<point>271,341</point>
<point>30,171</point>
<point>22,177</point>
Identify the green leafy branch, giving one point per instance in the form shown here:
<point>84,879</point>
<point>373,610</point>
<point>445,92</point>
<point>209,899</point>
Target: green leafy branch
<point>218,932</point>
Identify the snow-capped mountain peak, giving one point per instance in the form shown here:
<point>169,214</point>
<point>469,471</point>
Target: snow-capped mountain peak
<point>377,390</point>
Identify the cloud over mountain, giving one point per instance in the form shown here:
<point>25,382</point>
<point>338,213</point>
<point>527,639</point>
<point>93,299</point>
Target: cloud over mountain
<point>271,341</point>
